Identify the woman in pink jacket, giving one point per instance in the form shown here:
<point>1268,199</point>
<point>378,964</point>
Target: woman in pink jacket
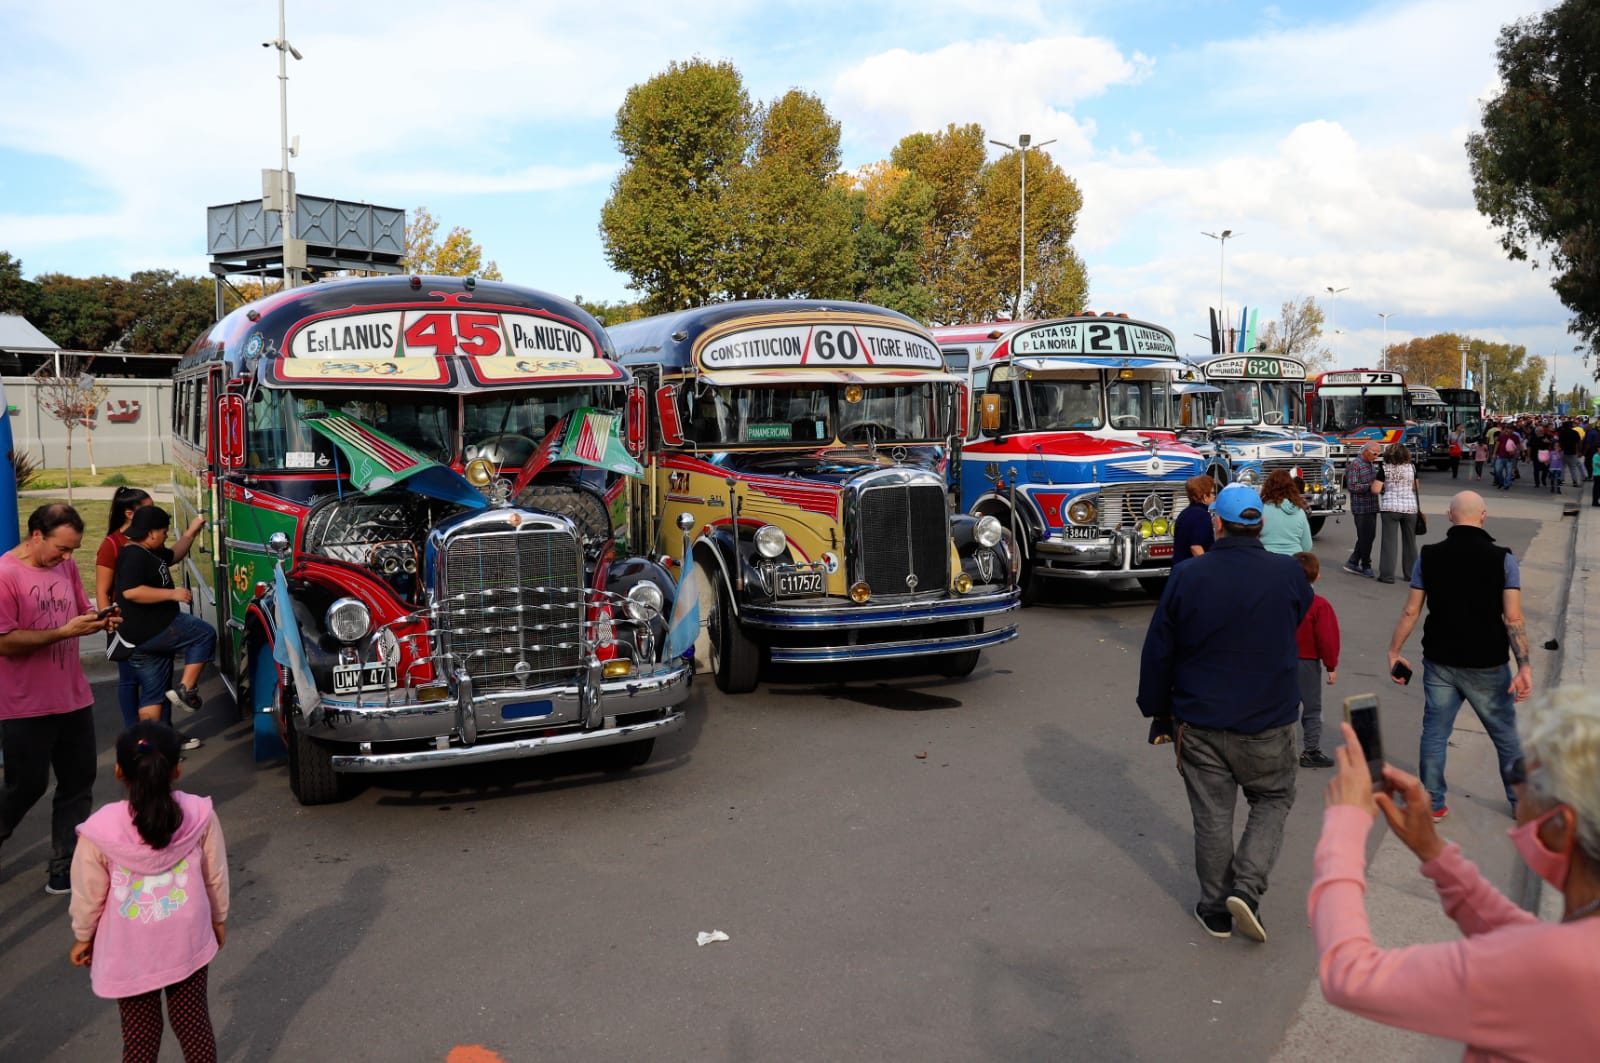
<point>150,898</point>
<point>1515,988</point>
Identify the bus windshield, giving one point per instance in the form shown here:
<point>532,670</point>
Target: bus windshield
<point>852,413</point>
<point>505,428</point>
<point>1256,401</point>
<point>1346,410</point>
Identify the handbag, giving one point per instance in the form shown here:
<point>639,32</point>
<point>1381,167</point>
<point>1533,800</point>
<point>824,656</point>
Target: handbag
<point>1422,523</point>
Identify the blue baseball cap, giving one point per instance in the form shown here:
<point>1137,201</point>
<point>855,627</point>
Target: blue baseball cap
<point>1235,501</point>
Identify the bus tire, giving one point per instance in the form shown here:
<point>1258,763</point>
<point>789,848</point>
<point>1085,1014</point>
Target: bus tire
<point>1153,585</point>
<point>1316,524</point>
<point>623,758</point>
<point>735,657</point>
<point>312,779</point>
<point>960,665</point>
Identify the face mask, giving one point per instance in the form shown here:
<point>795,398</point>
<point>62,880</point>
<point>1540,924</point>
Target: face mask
<point>1553,867</point>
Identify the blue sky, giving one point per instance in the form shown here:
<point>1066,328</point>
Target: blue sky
<point>1327,136</point>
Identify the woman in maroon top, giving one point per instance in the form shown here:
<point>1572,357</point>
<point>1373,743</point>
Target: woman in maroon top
<point>123,505</point>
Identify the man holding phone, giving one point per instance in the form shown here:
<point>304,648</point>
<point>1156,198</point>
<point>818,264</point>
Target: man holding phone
<point>1221,658</point>
<point>1473,590</point>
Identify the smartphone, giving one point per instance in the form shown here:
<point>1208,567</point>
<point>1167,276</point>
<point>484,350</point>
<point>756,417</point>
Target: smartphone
<point>107,611</point>
<point>1361,712</point>
<point>1402,672</point>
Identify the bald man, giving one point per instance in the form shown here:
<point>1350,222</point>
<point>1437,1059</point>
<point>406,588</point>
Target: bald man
<point>1473,590</point>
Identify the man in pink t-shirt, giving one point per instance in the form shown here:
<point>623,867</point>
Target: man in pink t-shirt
<point>47,710</point>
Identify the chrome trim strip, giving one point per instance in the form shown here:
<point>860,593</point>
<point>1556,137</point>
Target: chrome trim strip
<point>888,650</point>
<point>516,750</point>
<point>838,615</point>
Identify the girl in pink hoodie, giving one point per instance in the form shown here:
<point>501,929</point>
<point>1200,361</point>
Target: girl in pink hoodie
<point>142,920</point>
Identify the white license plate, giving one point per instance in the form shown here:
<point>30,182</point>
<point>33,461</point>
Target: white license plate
<point>790,583</point>
<point>350,678</point>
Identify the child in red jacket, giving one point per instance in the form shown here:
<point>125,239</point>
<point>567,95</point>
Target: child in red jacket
<point>1319,645</point>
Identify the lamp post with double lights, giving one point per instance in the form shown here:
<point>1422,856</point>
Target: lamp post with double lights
<point>1222,239</point>
<point>1383,355</point>
<point>1335,320</point>
<point>1021,148</point>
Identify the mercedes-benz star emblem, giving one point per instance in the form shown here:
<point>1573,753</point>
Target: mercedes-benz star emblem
<point>911,581</point>
<point>1153,506</point>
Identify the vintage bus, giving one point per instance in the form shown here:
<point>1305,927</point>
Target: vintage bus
<point>1463,409</point>
<point>1253,424</point>
<point>1427,431</point>
<point>1071,444</point>
<point>802,448</point>
<point>419,550</point>
<point>1350,407</point>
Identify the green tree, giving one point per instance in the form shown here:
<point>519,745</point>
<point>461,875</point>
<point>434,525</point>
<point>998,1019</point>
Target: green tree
<point>78,312</point>
<point>18,295</point>
<point>950,163</point>
<point>457,255</point>
<point>1536,161</point>
<point>1508,379</point>
<point>684,135</point>
<point>889,211</point>
<point>160,312</point>
<point>609,313</point>
<point>1296,334</point>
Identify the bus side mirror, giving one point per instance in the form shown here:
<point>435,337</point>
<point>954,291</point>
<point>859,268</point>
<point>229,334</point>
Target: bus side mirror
<point>667,418</point>
<point>963,410</point>
<point>637,427</point>
<point>230,432</point>
<point>989,418</point>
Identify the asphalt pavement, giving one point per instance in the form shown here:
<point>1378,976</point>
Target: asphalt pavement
<point>907,868</point>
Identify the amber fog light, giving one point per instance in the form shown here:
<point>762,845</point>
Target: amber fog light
<point>860,593</point>
<point>616,669</point>
<point>963,583</point>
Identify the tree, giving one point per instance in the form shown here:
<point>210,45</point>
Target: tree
<point>158,311</point>
<point>1432,360</point>
<point>950,163</point>
<point>69,398</point>
<point>684,134</point>
<point>18,295</point>
<point>1536,161</point>
<point>889,211</point>
<point>457,256</point>
<point>1296,334</point>
<point>609,313</point>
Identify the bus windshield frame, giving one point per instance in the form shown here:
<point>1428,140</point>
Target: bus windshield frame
<point>1349,408</point>
<point>819,414</point>
<point>1085,403</point>
<point>1251,402</point>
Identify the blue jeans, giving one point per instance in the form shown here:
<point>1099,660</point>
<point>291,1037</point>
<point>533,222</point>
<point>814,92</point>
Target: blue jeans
<point>1444,687</point>
<point>1503,472</point>
<point>188,635</point>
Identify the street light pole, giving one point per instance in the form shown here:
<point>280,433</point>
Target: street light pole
<point>1222,239</point>
<point>1021,148</point>
<point>1335,293</point>
<point>1463,347</point>
<point>285,50</point>
<point>1383,355</point>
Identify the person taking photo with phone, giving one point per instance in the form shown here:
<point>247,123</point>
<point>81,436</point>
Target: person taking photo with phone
<point>1515,987</point>
<point>1473,591</point>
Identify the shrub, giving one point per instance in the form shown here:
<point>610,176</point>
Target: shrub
<point>116,479</point>
<point>26,468</point>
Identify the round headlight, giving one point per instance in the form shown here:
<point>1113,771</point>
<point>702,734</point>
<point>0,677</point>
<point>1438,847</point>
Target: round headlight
<point>963,583</point>
<point>1083,511</point>
<point>989,531</point>
<point>348,619</point>
<point>860,592</point>
<point>1160,526</point>
<point>644,601</point>
<point>770,540</point>
<point>1249,477</point>
<point>1146,529</point>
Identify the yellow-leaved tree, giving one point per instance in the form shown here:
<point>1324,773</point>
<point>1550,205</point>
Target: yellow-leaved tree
<point>457,255</point>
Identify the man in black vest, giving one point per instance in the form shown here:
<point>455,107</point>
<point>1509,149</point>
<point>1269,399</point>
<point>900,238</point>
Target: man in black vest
<point>1474,593</point>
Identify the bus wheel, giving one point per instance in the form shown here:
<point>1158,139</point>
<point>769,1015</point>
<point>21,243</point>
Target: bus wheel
<point>312,779</point>
<point>735,658</point>
<point>1316,523</point>
<point>1153,585</point>
<point>960,665</point>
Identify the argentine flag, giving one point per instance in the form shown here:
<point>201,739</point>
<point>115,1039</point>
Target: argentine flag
<point>288,650</point>
<point>684,625</point>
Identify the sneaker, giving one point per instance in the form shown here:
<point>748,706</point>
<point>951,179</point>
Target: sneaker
<point>1243,910</point>
<point>1367,572</point>
<point>1385,579</point>
<point>59,884</point>
<point>188,741</point>
<point>1441,812</point>
<point>1219,925</point>
<point>1354,570</point>
<point>1315,758</point>
<point>185,698</point>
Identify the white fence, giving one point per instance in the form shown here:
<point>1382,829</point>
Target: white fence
<point>133,426</point>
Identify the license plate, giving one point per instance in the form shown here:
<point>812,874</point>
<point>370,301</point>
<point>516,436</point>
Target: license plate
<point>1081,532</point>
<point>1159,550</point>
<point>790,583</point>
<point>350,678</point>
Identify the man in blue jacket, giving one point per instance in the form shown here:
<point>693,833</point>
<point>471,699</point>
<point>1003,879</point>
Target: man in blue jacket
<point>1220,659</point>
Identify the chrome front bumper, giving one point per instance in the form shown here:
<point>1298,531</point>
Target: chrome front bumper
<point>1123,556</point>
<point>831,614</point>
<point>567,724</point>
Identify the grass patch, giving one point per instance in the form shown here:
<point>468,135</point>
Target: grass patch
<point>146,476</point>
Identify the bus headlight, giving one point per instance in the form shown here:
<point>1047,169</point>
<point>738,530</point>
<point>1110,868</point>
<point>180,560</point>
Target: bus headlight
<point>1083,511</point>
<point>1161,526</point>
<point>770,540</point>
<point>1249,477</point>
<point>989,531</point>
<point>348,619</point>
<point>644,601</point>
<point>1146,529</point>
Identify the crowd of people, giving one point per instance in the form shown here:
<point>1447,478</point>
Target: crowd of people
<point>1559,452</point>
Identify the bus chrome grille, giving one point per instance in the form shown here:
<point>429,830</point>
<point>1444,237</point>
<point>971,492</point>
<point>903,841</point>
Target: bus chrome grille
<point>1310,470</point>
<point>905,539</point>
<point>512,606</point>
<point>1125,505</point>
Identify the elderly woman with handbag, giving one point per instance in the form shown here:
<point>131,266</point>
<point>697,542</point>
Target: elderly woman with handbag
<point>1399,513</point>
